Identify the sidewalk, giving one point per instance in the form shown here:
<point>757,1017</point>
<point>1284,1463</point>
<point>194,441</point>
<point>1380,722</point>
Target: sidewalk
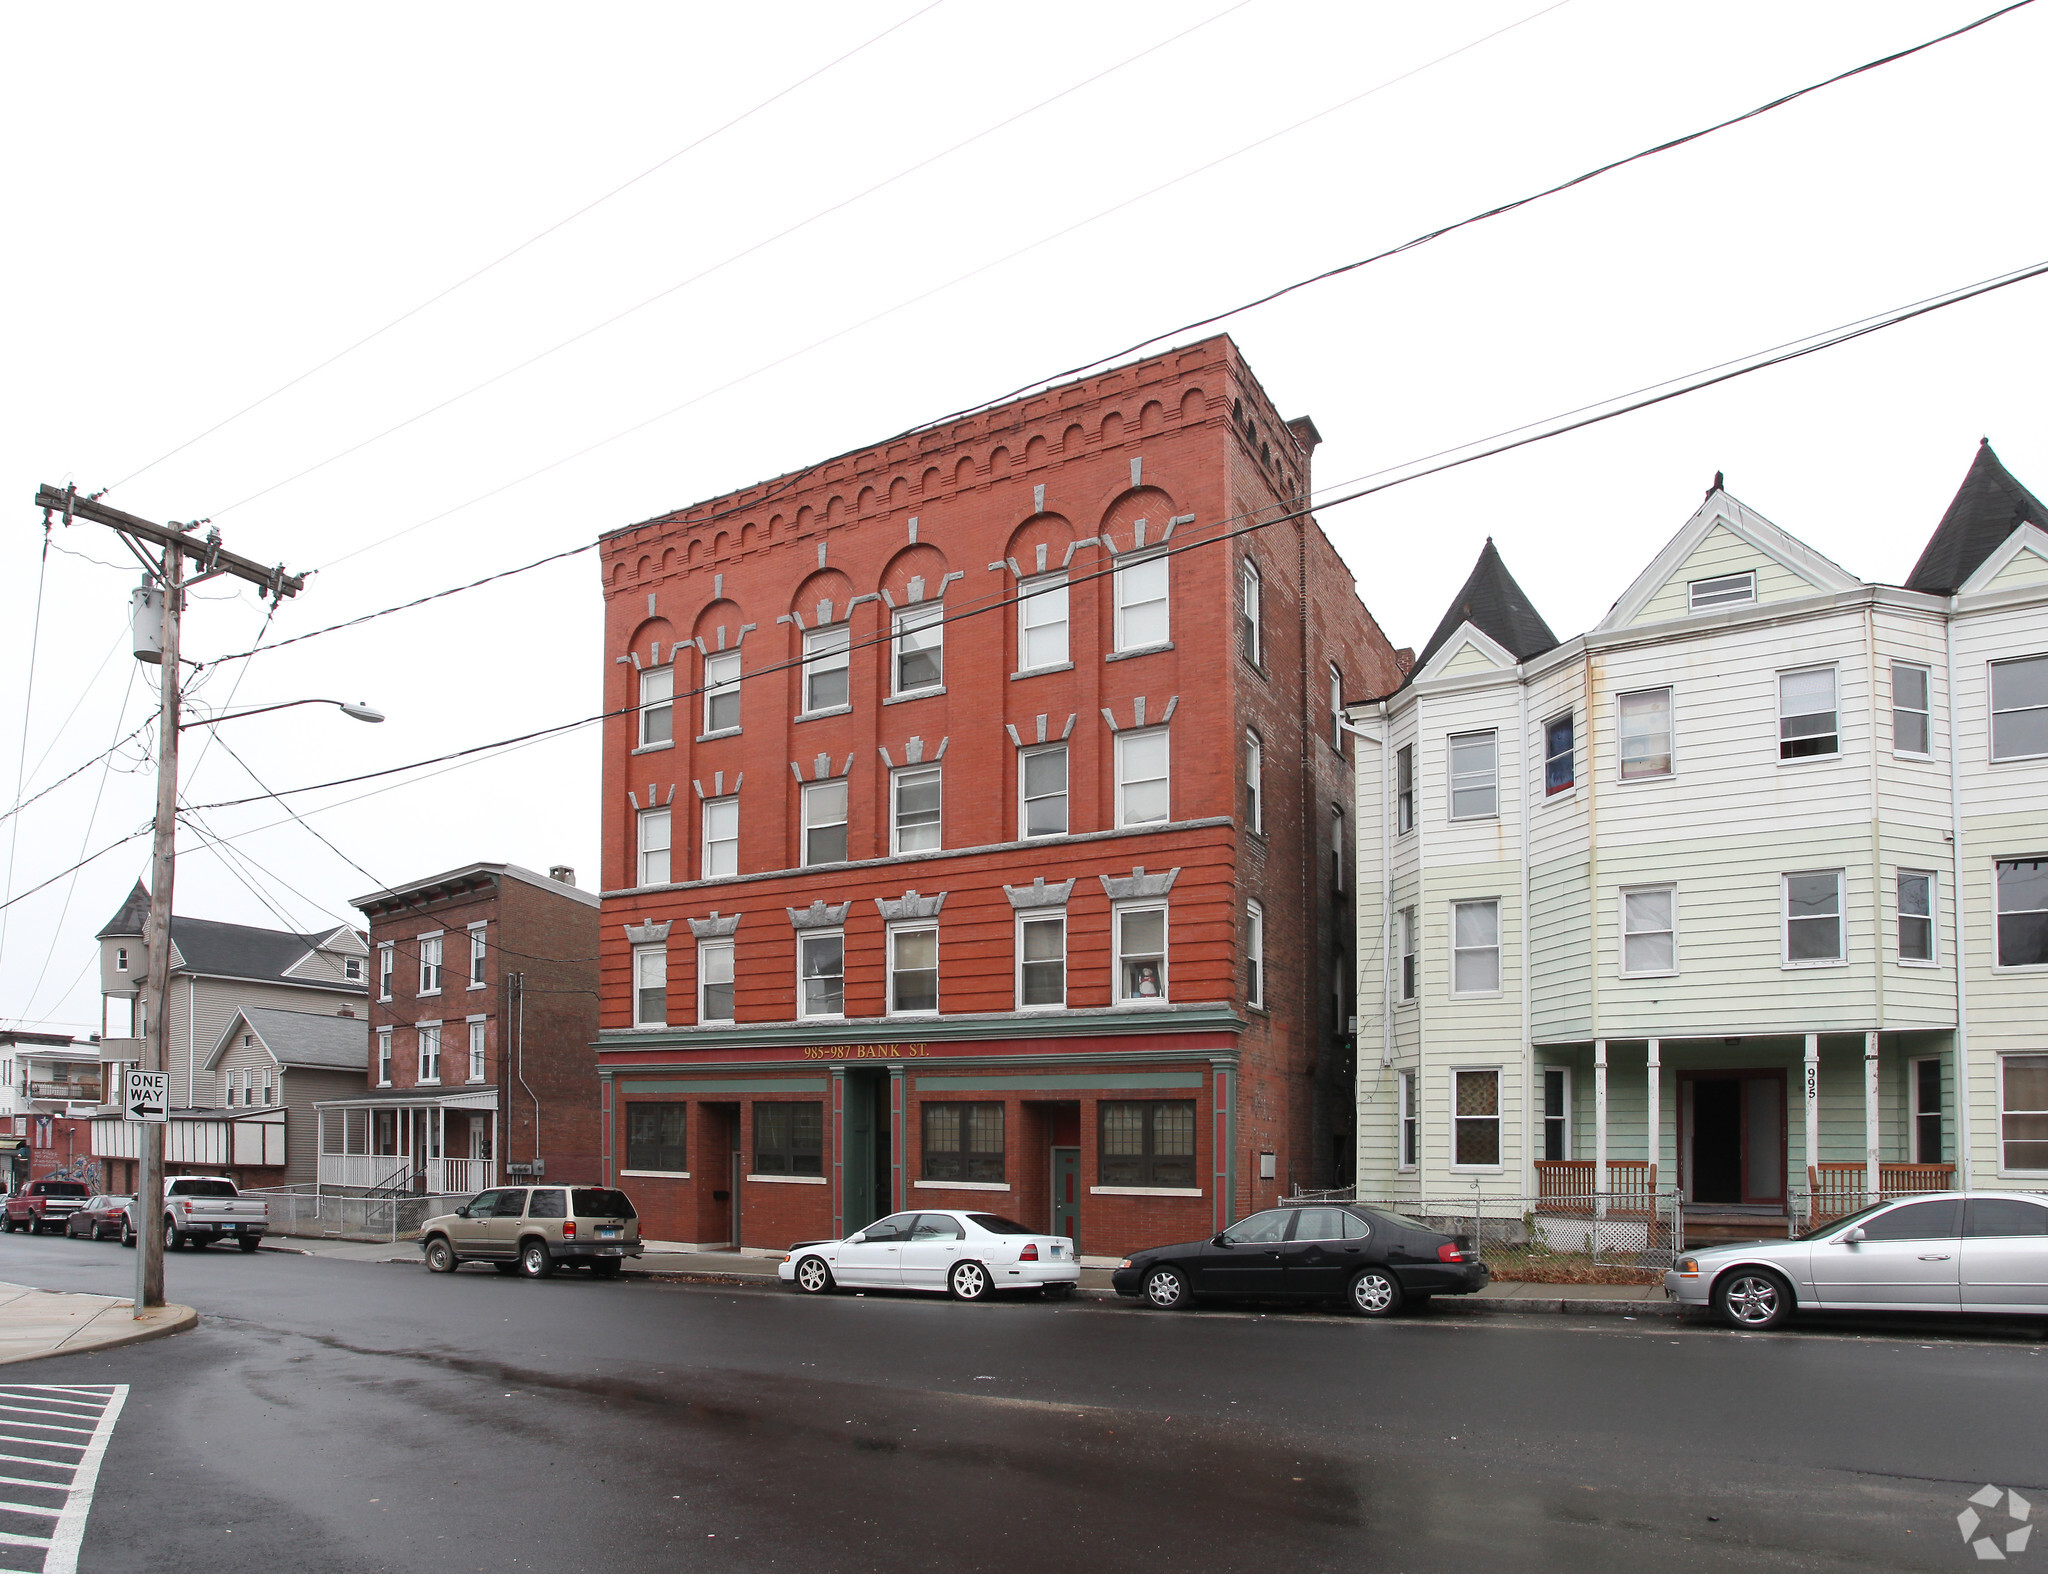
<point>36,1323</point>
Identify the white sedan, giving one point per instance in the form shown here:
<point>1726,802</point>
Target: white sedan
<point>968,1256</point>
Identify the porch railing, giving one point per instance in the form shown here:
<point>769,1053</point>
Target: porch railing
<point>1834,1190</point>
<point>364,1171</point>
<point>453,1175</point>
<point>1571,1186</point>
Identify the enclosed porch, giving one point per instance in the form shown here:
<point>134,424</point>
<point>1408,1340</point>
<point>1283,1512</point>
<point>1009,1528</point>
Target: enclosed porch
<point>432,1144</point>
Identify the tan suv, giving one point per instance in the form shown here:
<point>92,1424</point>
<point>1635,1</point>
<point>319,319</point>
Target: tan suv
<point>533,1230</point>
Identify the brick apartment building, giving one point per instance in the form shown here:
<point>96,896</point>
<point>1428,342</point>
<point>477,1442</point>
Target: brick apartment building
<point>483,1011</point>
<point>974,827</point>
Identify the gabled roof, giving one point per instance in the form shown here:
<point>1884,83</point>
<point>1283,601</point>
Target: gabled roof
<point>206,945</point>
<point>1499,608</point>
<point>1987,508</point>
<point>301,1038</point>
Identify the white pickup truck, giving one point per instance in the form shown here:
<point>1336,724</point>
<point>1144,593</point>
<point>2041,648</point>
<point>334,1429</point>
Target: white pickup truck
<point>202,1209</point>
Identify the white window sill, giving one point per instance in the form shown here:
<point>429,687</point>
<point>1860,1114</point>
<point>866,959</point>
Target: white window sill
<point>1912,758</point>
<point>1145,1191</point>
<point>1412,1000</point>
<point>722,732</point>
<point>428,1082</point>
<point>716,1021</point>
<point>960,1185</point>
<point>476,1082</point>
<point>1471,819</point>
<point>2016,759</point>
<point>1039,672</point>
<point>1140,650</point>
<point>1801,967</point>
<point>1932,964</point>
<point>1140,1005</point>
<point>479,986</point>
<point>1645,781</point>
<point>1041,1011</point>
<point>659,1174</point>
<point>1477,994</point>
<point>916,694</point>
<point>655,748</point>
<point>1813,759</point>
<point>830,710</point>
<point>910,1016</point>
<point>837,1016</point>
<point>648,1027</point>
<point>789,1180</point>
<point>427,993</point>
<point>1478,1169</point>
<point>1562,795</point>
<point>1669,972</point>
<point>2022,967</point>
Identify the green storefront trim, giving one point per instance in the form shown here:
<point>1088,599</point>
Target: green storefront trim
<point>629,1085</point>
<point>1134,1079</point>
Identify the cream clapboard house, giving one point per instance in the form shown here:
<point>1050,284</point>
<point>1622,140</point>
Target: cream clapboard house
<point>1672,907</point>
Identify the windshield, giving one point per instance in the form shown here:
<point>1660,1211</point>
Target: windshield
<point>1842,1223</point>
<point>65,1189</point>
<point>203,1188</point>
<point>594,1202</point>
<point>996,1224</point>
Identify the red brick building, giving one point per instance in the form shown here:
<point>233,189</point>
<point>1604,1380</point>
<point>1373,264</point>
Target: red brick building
<point>974,827</point>
<point>483,1012</point>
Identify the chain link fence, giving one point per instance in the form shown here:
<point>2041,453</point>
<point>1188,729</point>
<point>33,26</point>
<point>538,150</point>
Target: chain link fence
<point>1614,1238</point>
<point>306,1213</point>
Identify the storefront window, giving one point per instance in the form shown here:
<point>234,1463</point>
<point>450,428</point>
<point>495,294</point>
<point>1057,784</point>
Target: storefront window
<point>789,1139</point>
<point>1147,1144</point>
<point>655,1138</point>
<point>963,1142</point>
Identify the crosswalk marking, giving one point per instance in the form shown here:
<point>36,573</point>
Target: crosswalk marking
<point>77,1456</point>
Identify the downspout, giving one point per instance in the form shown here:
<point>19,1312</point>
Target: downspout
<point>1523,800</point>
<point>191,1041</point>
<point>1312,976</point>
<point>1386,886</point>
<point>1955,839</point>
<point>1593,929</point>
<point>519,1031</point>
<point>1876,835</point>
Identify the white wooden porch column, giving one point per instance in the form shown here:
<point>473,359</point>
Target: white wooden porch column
<point>1600,1126</point>
<point>1811,1098</point>
<point>319,1147</point>
<point>441,1143</point>
<point>1870,1121</point>
<point>1654,1146</point>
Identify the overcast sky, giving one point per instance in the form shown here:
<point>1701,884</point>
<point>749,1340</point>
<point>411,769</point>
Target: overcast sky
<point>206,202</point>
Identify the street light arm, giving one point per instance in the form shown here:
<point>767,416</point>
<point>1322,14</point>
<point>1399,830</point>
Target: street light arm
<point>358,710</point>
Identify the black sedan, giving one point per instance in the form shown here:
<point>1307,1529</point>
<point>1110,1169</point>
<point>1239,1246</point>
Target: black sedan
<point>1372,1261</point>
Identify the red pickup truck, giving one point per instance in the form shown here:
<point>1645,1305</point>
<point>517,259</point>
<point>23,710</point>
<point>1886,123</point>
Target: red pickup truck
<point>44,1205</point>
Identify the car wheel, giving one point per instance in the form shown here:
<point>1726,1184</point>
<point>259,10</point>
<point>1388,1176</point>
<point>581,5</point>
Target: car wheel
<point>812,1276</point>
<point>606,1267</point>
<point>440,1256</point>
<point>1752,1298</point>
<point>250,1243</point>
<point>1166,1290</point>
<point>173,1241</point>
<point>127,1234</point>
<point>1374,1293</point>
<point>968,1281</point>
<point>535,1260</point>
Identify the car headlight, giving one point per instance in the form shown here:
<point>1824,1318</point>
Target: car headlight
<point>1125,1263</point>
<point>1688,1267</point>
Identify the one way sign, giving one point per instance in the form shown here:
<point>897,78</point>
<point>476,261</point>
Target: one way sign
<point>148,1097</point>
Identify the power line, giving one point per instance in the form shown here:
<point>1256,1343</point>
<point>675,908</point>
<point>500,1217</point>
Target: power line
<point>28,700</point>
<point>531,240</point>
<point>81,770</point>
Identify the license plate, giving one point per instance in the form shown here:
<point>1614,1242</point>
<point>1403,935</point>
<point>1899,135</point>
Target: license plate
<point>1058,1250</point>
<point>227,1229</point>
<point>607,1234</point>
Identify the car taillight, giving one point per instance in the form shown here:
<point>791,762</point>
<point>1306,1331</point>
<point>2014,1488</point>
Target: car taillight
<point>1448,1252</point>
<point>1029,1253</point>
<point>568,1229</point>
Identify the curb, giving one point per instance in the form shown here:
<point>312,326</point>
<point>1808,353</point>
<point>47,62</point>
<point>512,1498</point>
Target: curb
<point>166,1320</point>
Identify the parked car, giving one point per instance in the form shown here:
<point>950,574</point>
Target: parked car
<point>44,1205</point>
<point>202,1209</point>
<point>533,1230</point>
<point>100,1217</point>
<point>968,1256</point>
<point>1947,1252</point>
<point>1372,1261</point>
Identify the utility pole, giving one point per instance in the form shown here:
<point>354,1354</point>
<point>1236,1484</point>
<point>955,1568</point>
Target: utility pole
<point>163,551</point>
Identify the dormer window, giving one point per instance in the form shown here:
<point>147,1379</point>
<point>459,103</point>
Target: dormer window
<point>351,969</point>
<point>1727,590</point>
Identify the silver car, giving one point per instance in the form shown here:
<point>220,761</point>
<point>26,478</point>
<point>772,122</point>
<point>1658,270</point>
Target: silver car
<point>1947,1251</point>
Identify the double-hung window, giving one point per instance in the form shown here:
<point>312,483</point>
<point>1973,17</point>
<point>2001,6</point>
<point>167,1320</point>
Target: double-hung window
<point>650,986</point>
<point>919,653</point>
<point>654,846</point>
<point>1409,1145</point>
<point>1404,787</point>
<point>1916,915</point>
<point>1813,918</point>
<point>384,1057</point>
<point>1143,777</point>
<point>1649,931</point>
<point>821,975</point>
<point>1475,783</point>
<point>1475,947</point>
<point>1726,590</point>
<point>1042,791</point>
<point>722,692</point>
<point>1254,784</point>
<point>2023,1111</point>
<point>479,948</point>
<point>963,1142</point>
<point>1806,714</point>
<point>914,796</point>
<point>1249,634</point>
<point>913,969</point>
<point>1927,1102</point>
<point>1148,1144</point>
<point>1042,959</point>
<point>714,981</point>
<point>1557,1112</point>
<point>1911,731</point>
<point>1336,710</point>
<point>476,1051</point>
<point>720,853</point>
<point>1141,612</point>
<point>351,967</point>
<point>1475,1125</point>
<point>430,964</point>
<point>1560,759</point>
<point>1408,936</point>
<point>2023,912</point>
<point>656,1139</point>
<point>827,662</point>
<point>1042,623</point>
<point>1644,724</point>
<point>2019,708</point>
<point>824,822</point>
<point>1141,954</point>
<point>657,706</point>
<point>1254,954</point>
<point>430,1052</point>
<point>789,1139</point>
<point>387,964</point>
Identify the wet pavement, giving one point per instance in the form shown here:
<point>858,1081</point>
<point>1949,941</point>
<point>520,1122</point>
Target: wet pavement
<point>335,1416</point>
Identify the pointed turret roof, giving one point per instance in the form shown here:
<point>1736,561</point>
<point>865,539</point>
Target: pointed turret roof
<point>133,915</point>
<point>1987,508</point>
<point>1498,607</point>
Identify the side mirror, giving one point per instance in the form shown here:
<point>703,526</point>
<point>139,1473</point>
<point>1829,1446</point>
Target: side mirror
<point>462,1212</point>
<point>1854,1235</point>
<point>855,1240</point>
<point>1218,1240</point>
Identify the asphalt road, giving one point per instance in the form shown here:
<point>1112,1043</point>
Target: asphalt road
<point>332,1417</point>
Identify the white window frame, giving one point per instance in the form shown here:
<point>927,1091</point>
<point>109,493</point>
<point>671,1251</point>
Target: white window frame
<point>910,775</point>
<point>1119,913</point>
<point>1408,983</point>
<point>351,968</point>
<point>1543,1115</point>
<point>2004,1112</point>
<point>1408,1127</point>
<point>709,951</point>
<point>387,968</point>
<point>426,1034</point>
<point>1721,590</point>
<point>1991,705</point>
<point>1569,719</point>
<point>1841,919</point>
<point>1126,742</point>
<point>1025,799</point>
<point>1498,1117</point>
<point>1254,783</point>
<point>479,953</point>
<point>718,857</point>
<point>1404,789</point>
<point>1670,770</point>
<point>803,940</point>
<point>722,672</point>
<point>1037,600</point>
<point>1470,778</point>
<point>120,959</point>
<point>1336,708</point>
<point>384,1057</point>
<point>1932,915</point>
<point>812,792</point>
<point>1916,1112</point>
<point>1255,955</point>
<point>1998,911</point>
<point>1250,600</point>
<point>1834,710</point>
<point>430,961</point>
<point>1499,961</point>
<point>644,956</point>
<point>901,929</point>
<point>915,620</point>
<point>1664,887</point>
<point>644,861</point>
<point>1339,863</point>
<point>1024,919</point>
<point>1127,569</point>
<point>1925,710</point>
<point>477,1055</point>
<point>826,651</point>
<point>657,707</point>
